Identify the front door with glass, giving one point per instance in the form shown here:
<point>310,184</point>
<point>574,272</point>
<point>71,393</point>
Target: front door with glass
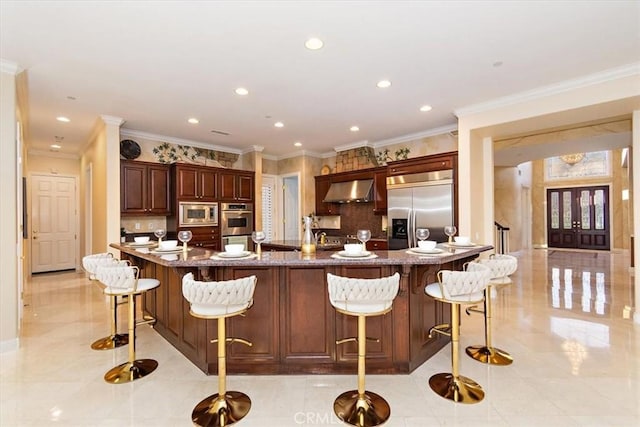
<point>578,218</point>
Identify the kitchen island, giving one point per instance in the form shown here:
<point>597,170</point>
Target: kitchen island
<point>292,325</point>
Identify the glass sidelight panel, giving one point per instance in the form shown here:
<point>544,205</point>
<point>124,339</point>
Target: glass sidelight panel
<point>585,209</point>
<point>555,210</point>
<point>566,210</point>
<point>598,202</point>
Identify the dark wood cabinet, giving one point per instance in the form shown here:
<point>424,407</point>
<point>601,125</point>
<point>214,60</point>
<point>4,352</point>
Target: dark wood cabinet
<point>236,186</point>
<point>380,191</point>
<point>430,163</point>
<point>377,245</point>
<point>323,183</point>
<point>205,237</point>
<point>196,183</point>
<point>144,188</point>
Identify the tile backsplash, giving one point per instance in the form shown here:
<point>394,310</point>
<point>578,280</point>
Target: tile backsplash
<point>143,224</point>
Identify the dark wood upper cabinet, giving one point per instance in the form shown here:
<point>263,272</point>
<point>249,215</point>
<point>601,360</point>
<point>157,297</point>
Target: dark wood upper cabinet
<point>196,183</point>
<point>144,188</point>
<point>236,185</point>
<point>323,183</point>
<point>380,191</point>
<point>430,163</point>
<point>379,176</point>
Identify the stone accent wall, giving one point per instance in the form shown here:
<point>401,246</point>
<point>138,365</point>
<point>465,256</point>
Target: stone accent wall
<point>226,159</point>
<point>356,158</point>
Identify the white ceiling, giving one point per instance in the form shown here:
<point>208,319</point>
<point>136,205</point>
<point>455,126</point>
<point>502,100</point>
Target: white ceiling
<point>155,64</point>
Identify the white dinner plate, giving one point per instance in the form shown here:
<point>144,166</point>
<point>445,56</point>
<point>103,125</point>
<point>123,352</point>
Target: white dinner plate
<point>426,251</point>
<point>230,255</point>
<point>168,251</point>
<point>462,245</point>
<point>354,255</point>
<point>149,243</point>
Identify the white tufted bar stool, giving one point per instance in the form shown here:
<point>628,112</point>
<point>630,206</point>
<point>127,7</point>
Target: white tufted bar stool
<point>455,288</point>
<point>502,266</point>
<point>121,280</point>
<point>90,263</point>
<point>219,300</point>
<point>362,298</point>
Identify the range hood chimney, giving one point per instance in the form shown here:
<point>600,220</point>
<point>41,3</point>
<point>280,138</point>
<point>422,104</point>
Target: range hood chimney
<point>349,191</point>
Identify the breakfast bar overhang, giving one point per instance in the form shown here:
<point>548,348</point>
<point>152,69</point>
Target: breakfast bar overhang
<point>292,325</point>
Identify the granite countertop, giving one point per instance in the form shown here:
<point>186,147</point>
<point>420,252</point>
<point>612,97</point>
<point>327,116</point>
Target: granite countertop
<point>199,257</point>
<point>295,245</point>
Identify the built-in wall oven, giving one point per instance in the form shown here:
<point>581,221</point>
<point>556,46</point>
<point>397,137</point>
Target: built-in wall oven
<point>236,223</point>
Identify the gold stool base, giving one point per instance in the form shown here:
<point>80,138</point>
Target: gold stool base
<point>462,389</point>
<point>490,355</point>
<point>110,342</point>
<point>216,412</point>
<point>128,372</point>
<point>372,410</point>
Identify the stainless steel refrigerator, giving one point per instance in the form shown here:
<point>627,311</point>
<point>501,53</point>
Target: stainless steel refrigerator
<point>422,200</point>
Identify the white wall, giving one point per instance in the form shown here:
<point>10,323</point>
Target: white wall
<point>9,256</point>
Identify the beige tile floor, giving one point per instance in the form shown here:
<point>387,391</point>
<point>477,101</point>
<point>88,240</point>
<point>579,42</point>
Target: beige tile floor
<point>565,321</point>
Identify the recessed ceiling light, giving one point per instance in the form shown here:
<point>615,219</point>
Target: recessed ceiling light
<point>354,128</point>
<point>298,144</point>
<point>426,108</point>
<point>55,146</point>
<point>193,121</point>
<point>63,119</point>
<point>383,84</point>
<point>314,43</point>
<point>242,91</point>
<point>279,124</point>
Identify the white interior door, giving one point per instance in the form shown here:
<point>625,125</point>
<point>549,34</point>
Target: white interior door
<point>53,225</point>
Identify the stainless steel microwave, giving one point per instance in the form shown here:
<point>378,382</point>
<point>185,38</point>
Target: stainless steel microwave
<point>193,214</point>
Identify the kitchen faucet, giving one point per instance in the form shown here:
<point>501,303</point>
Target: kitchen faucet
<point>321,235</point>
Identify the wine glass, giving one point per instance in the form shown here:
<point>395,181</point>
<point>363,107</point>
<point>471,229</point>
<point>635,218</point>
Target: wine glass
<point>364,236</point>
<point>422,234</point>
<point>160,233</point>
<point>258,237</point>
<point>185,236</point>
<point>450,230</point>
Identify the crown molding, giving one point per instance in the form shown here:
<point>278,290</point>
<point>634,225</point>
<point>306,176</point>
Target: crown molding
<point>112,120</point>
<point>544,91</point>
<point>9,67</point>
<point>270,157</point>
<point>54,154</point>
<point>352,146</point>
<point>179,141</point>
<point>418,135</point>
<point>253,149</point>
<point>300,153</point>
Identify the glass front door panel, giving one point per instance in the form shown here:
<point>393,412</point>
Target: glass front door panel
<point>566,210</point>
<point>598,202</point>
<point>555,210</point>
<point>585,210</point>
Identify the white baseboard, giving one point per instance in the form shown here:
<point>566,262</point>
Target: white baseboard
<point>9,345</point>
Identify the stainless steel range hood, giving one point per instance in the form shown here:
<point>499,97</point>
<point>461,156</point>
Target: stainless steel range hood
<point>350,191</point>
